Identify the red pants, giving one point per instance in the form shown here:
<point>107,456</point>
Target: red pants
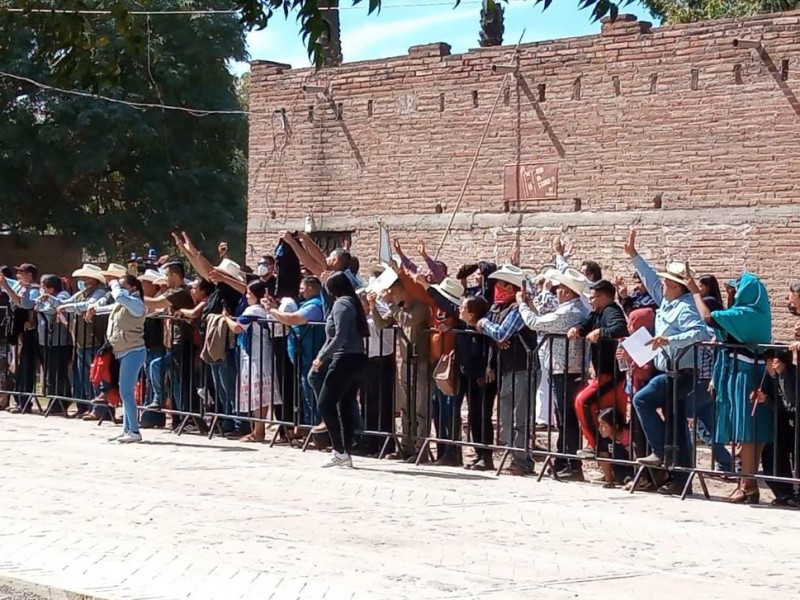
<point>588,404</point>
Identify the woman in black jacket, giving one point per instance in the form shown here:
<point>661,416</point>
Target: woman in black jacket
<point>345,330</point>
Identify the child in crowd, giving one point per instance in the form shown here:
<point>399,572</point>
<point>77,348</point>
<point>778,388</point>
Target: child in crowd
<point>614,442</point>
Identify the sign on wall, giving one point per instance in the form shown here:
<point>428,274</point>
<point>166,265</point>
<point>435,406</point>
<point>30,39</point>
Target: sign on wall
<point>530,182</point>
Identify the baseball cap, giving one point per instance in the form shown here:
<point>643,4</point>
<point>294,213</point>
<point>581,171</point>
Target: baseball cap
<point>27,268</point>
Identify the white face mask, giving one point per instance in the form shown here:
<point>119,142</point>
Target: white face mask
<point>81,285</point>
<point>262,270</point>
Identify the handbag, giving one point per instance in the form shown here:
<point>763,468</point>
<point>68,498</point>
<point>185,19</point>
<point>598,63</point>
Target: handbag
<point>446,374</point>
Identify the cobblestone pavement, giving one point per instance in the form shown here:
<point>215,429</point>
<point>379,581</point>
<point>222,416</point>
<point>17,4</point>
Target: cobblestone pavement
<point>192,518</point>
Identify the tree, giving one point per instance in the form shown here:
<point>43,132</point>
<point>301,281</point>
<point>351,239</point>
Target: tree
<point>492,25</point>
<point>70,40</point>
<point>331,38</point>
<point>112,176</point>
<point>689,11</point>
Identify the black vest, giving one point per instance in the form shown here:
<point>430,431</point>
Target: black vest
<point>521,352</point>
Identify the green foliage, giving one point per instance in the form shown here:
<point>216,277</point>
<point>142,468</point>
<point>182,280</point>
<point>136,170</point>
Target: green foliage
<point>113,176</point>
<point>689,11</point>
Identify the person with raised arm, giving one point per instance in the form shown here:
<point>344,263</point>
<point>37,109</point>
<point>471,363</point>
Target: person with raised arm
<point>678,326</point>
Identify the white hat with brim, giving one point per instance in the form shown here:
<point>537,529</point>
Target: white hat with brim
<point>90,272</point>
<point>115,270</point>
<point>230,268</point>
<point>549,275</point>
<point>154,277</point>
<point>510,274</point>
<point>573,280</point>
<point>383,281</point>
<point>676,272</point>
<point>450,289</point>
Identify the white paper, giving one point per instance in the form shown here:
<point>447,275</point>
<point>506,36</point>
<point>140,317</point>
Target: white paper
<point>637,347</point>
<point>384,247</point>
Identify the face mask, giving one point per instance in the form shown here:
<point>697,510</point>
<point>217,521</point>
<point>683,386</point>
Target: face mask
<point>262,270</point>
<point>81,286</point>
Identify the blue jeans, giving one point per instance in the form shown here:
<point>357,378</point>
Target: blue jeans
<point>309,397</point>
<point>447,415</point>
<point>658,394</point>
<point>152,355</point>
<point>81,374</point>
<point>130,365</point>
<point>157,370</point>
<point>224,375</point>
<point>704,419</point>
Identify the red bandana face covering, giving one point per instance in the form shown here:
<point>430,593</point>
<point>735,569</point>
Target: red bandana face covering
<point>504,295</point>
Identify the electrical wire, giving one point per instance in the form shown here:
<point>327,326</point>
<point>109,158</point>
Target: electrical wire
<point>87,11</point>
<point>196,112</point>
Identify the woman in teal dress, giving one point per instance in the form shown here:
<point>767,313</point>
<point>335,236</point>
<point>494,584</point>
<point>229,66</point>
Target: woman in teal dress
<point>738,373</point>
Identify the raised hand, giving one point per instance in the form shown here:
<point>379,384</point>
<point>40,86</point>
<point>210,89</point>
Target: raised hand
<point>691,284</point>
<point>423,251</point>
<point>558,246</point>
<point>630,244</point>
<point>397,247</point>
<point>622,289</point>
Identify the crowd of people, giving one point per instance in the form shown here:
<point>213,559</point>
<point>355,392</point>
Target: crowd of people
<point>309,344</point>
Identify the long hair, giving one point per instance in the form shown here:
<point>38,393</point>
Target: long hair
<point>135,284</point>
<point>339,286</point>
<point>713,287</point>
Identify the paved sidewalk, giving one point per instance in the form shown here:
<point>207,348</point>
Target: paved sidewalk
<point>191,518</point>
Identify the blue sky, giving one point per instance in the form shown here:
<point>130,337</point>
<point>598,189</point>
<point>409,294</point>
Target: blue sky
<point>405,23</point>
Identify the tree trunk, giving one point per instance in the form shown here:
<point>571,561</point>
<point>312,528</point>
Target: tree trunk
<point>331,42</point>
<point>492,27</point>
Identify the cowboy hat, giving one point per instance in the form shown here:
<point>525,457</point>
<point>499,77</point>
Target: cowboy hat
<point>510,274</point>
<point>90,272</point>
<point>450,289</point>
<point>572,279</point>
<point>383,281</point>
<point>154,277</point>
<point>549,275</point>
<point>230,268</point>
<point>676,271</point>
<point>115,270</point>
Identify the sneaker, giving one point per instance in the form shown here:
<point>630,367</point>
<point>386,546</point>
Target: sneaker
<point>321,428</point>
<point>567,474</point>
<point>654,460</point>
<point>130,438</point>
<point>118,437</point>
<point>338,460</point>
<point>586,453</point>
<point>154,406</point>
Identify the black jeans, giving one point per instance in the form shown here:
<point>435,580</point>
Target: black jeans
<point>338,395</point>
<point>776,458</point>
<point>565,388</point>
<point>377,401</point>
<point>188,400</point>
<point>56,366</point>
<point>480,401</point>
<point>27,365</point>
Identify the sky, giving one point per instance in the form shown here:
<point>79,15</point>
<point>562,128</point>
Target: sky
<point>405,23</point>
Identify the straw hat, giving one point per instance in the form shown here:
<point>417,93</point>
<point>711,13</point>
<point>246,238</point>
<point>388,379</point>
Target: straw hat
<point>115,270</point>
<point>549,275</point>
<point>90,272</point>
<point>572,279</point>
<point>676,271</point>
<point>510,274</point>
<point>230,268</point>
<point>450,289</point>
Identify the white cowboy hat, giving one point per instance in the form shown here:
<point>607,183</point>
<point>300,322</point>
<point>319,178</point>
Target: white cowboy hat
<point>510,274</point>
<point>231,268</point>
<point>549,275</point>
<point>115,270</point>
<point>676,271</point>
<point>572,279</point>
<point>383,281</point>
<point>154,277</point>
<point>450,289</point>
<point>90,272</point>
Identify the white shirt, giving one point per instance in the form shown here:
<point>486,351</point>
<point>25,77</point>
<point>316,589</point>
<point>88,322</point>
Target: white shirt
<point>381,341</point>
<point>286,305</point>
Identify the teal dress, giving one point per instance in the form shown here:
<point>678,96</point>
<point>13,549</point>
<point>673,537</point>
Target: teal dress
<point>738,374</point>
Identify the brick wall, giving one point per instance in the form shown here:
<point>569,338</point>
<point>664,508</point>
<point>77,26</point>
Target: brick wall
<point>673,130</point>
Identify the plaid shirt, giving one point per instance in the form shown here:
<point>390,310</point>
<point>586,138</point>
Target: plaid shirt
<point>502,332</point>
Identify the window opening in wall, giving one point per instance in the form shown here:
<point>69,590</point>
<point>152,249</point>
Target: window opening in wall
<point>615,85</point>
<point>475,98</point>
<point>541,92</point>
<point>576,89</point>
<point>695,79</point>
<point>369,108</point>
<point>785,69</point>
<point>653,83</point>
<point>737,74</point>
